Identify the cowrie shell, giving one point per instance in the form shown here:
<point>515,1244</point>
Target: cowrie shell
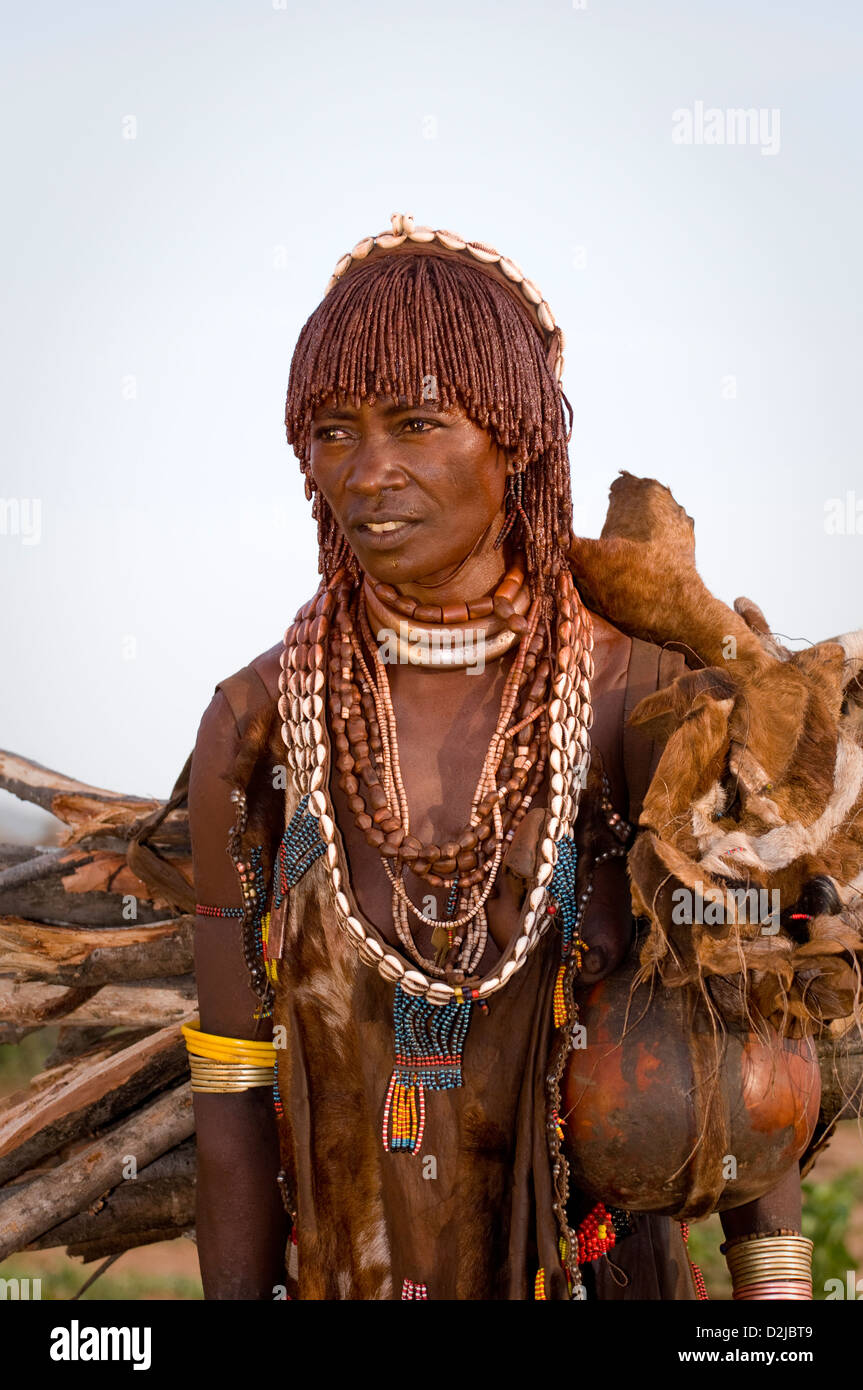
<point>414,983</point>
<point>549,851</point>
<point>391,968</point>
<point>439,992</point>
<point>482,255</point>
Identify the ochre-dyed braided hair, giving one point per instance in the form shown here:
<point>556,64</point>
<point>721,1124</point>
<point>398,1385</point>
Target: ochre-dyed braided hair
<point>415,323</point>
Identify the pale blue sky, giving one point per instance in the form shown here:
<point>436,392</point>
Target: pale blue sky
<point>268,141</point>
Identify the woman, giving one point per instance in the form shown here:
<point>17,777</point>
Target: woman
<point>407,826</point>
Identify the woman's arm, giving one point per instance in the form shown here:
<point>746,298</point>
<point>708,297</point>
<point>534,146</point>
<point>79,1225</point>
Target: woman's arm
<point>778,1211</point>
<point>241,1223</point>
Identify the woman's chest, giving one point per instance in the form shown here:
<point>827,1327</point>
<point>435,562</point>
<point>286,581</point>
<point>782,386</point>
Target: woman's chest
<point>445,724</point>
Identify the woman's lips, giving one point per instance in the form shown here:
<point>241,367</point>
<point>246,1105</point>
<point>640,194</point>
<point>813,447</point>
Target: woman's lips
<point>383,534</point>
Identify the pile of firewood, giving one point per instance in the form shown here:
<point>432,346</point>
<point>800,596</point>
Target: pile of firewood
<point>97,1153</point>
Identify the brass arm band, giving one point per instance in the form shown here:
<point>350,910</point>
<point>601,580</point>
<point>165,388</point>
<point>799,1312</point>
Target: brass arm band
<point>771,1266</point>
<point>227,1064</point>
<point>208,1075</point>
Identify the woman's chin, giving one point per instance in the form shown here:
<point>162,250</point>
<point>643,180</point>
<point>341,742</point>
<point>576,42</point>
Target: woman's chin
<point>404,560</point>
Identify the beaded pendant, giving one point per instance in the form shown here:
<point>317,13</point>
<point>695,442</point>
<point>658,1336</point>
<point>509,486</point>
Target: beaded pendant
<point>258,921</point>
<point>301,845</point>
<point>429,1039</point>
<point>277,1095</point>
<point>563,908</point>
<point>410,1290</point>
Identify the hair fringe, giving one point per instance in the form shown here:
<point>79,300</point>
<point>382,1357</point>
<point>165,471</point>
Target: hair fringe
<point>397,322</point>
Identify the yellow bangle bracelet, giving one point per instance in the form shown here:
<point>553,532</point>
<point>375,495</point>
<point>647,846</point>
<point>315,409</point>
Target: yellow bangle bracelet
<point>221,1049</point>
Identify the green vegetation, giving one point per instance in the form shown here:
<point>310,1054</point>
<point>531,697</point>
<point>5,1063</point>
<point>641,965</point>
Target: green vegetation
<point>705,1239</point>
<point>62,1277</point>
<point>20,1062</point>
<point>827,1207</point>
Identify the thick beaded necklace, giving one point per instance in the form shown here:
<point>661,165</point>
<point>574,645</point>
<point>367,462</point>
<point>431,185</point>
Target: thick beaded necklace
<point>501,602</point>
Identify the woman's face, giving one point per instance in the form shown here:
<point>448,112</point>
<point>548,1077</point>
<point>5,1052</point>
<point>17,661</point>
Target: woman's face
<point>413,488</point>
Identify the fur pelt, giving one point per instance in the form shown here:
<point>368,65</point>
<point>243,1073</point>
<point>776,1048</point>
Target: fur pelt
<point>760,785</point>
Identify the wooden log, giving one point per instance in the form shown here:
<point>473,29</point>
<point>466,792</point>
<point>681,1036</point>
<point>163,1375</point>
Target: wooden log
<point>65,797</point>
<point>180,1162</point>
<point>841,1064</point>
<point>160,1200</point>
<point>94,813</point>
<point>84,1096</point>
<point>166,1206</point>
<point>31,1006</point>
<point>17,854</point>
<point>159,1203</point>
<point>118,1243</point>
<point>74,1042</point>
<point>49,902</point>
<point>74,955</point>
<point>40,866</point>
<point>142,1003</point>
<point>49,1200</point>
<point>93,889</point>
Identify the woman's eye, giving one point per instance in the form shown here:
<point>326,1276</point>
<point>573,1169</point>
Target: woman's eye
<point>424,425</point>
<point>328,433</point>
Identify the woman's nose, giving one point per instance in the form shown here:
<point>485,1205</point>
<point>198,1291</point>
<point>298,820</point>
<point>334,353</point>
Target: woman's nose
<point>374,466</point>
